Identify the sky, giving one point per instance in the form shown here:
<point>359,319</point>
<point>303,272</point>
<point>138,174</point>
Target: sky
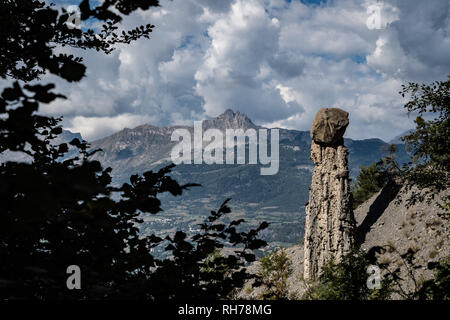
<point>277,61</point>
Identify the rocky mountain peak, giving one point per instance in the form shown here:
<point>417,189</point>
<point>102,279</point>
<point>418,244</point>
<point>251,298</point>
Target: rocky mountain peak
<point>230,120</point>
<point>228,113</point>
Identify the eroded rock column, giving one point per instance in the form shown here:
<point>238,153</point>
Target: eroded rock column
<point>329,222</point>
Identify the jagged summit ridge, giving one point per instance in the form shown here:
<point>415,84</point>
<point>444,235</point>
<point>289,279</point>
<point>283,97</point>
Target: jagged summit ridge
<point>227,120</point>
<point>230,120</point>
<point>149,145</point>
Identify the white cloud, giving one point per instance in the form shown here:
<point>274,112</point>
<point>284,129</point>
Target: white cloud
<point>242,42</point>
<point>278,62</point>
<point>416,46</point>
<point>93,127</point>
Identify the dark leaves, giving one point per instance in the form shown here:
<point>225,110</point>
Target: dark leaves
<point>12,94</point>
<point>430,141</point>
<point>33,30</point>
<point>60,210</point>
<point>371,255</point>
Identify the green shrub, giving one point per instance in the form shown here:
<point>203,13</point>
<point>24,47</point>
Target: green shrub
<point>274,271</point>
<point>346,281</point>
<point>429,142</point>
<point>439,287</point>
<point>366,184</point>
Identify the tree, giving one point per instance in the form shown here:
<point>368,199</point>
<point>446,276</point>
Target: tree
<point>347,280</point>
<point>404,271</point>
<point>273,273</point>
<point>430,141</point>
<point>59,211</point>
<point>33,30</point>
<point>439,287</point>
<point>196,272</point>
<point>376,176</point>
<point>367,183</point>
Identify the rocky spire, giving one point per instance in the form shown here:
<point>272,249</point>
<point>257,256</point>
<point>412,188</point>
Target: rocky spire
<point>329,217</point>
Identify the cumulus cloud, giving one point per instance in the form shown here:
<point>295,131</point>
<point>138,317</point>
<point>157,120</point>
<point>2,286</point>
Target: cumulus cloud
<point>103,126</point>
<point>242,42</point>
<point>416,46</point>
<point>275,60</point>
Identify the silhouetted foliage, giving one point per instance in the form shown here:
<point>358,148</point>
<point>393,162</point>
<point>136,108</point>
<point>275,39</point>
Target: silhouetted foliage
<point>439,287</point>
<point>33,30</point>
<point>392,272</point>
<point>195,271</point>
<point>59,211</point>
<point>436,288</point>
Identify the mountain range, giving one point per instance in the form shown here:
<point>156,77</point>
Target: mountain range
<point>278,199</point>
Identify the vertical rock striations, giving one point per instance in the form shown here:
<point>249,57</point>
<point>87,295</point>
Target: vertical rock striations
<point>329,217</point>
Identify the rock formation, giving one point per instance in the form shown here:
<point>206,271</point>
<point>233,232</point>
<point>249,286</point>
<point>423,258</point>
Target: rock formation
<point>329,126</point>
<point>329,221</point>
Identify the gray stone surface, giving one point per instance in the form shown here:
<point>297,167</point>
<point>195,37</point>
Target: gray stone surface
<point>400,227</point>
<point>329,126</point>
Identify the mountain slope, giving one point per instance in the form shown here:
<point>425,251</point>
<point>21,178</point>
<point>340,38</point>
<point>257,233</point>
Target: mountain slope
<point>398,139</point>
